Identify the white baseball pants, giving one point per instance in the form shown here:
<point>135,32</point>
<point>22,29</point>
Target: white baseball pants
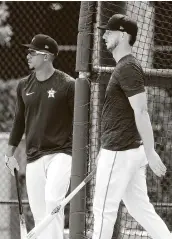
<point>47,181</point>
<point>121,176</point>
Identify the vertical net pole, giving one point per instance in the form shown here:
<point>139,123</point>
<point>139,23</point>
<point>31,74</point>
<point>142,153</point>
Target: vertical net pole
<point>80,142</point>
<point>81,120</point>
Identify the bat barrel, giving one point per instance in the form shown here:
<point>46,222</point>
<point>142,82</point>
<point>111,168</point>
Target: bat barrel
<point>34,233</point>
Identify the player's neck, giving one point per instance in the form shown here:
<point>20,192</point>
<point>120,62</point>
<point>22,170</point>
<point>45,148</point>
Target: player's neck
<point>121,51</point>
<point>44,72</point>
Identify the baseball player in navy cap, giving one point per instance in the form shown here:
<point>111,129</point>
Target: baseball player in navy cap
<point>127,142</point>
<point>44,112</point>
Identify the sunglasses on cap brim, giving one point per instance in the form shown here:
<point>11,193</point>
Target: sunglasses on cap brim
<point>32,51</point>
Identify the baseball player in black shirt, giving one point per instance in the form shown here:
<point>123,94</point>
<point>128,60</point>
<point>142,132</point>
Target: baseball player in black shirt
<point>127,142</point>
<point>44,112</point>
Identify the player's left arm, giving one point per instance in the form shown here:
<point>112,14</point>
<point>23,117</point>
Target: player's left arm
<point>132,83</point>
<point>138,103</point>
<point>133,86</point>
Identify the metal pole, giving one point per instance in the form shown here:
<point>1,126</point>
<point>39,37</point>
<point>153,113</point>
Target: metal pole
<point>81,119</point>
<point>79,155</point>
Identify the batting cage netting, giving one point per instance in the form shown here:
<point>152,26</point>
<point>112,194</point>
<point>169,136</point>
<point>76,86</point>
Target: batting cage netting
<point>19,22</point>
<point>153,48</point>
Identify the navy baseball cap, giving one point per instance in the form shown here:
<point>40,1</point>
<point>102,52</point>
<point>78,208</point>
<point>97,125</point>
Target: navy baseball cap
<point>43,43</point>
<point>120,22</point>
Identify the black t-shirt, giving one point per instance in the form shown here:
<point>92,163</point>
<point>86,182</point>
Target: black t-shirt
<point>44,111</point>
<point>118,127</point>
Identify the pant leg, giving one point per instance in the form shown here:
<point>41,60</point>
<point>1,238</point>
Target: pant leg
<point>58,173</point>
<point>137,202</point>
<point>114,171</point>
<point>35,183</point>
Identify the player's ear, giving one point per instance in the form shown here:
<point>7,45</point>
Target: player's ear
<point>122,35</point>
<point>125,36</point>
<point>46,57</point>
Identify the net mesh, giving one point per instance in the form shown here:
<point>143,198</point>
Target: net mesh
<point>30,18</point>
<point>153,48</point>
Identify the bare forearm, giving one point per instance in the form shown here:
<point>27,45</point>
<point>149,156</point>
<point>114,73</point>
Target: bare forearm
<point>145,130</point>
<point>10,150</point>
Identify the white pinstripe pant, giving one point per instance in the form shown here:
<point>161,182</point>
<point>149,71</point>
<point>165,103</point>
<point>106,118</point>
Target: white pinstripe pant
<point>121,176</point>
<point>47,181</point>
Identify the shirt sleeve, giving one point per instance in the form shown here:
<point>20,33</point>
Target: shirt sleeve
<point>18,126</point>
<point>132,80</point>
<point>70,96</point>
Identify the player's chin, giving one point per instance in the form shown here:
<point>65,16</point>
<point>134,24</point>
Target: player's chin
<point>110,49</point>
<point>30,65</point>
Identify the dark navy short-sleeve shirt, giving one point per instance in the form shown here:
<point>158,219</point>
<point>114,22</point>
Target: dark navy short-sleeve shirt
<point>118,127</point>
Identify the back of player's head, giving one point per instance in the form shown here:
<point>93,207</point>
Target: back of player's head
<point>120,22</point>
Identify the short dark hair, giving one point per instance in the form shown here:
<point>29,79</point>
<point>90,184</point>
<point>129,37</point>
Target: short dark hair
<point>132,39</point>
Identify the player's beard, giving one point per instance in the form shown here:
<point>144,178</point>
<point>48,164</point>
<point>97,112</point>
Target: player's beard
<point>113,46</point>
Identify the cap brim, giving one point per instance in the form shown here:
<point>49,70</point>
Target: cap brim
<point>30,46</point>
<point>103,27</point>
<point>37,49</point>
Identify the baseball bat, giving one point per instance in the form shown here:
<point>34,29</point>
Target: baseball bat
<point>23,230</point>
<point>35,232</point>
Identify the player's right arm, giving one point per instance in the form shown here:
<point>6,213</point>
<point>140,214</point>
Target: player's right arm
<point>17,131</point>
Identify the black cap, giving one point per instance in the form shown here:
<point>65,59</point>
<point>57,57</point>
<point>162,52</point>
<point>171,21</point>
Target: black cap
<point>120,22</point>
<point>43,42</point>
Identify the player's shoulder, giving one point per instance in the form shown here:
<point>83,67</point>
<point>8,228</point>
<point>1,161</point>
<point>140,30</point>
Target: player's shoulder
<point>65,77</point>
<point>131,60</point>
<point>127,59</point>
<point>128,64</point>
<point>25,80</point>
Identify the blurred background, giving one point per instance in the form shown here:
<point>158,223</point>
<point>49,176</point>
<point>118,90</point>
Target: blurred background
<point>19,22</point>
